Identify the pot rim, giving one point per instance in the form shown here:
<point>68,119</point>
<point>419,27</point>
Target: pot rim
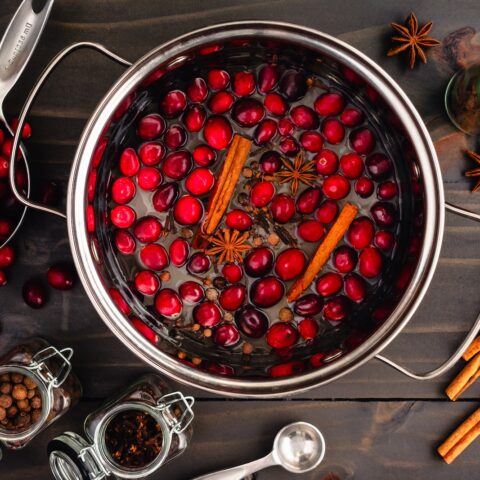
<point>434,217</point>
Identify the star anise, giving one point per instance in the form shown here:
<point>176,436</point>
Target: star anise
<point>413,39</point>
<point>228,245</point>
<point>296,173</point>
<point>475,172</point>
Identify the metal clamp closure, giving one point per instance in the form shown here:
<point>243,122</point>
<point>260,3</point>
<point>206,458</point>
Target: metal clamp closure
<point>53,378</point>
<point>96,468</point>
<point>178,423</point>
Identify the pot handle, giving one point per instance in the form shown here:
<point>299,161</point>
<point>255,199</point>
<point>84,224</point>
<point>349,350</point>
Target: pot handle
<point>466,342</point>
<point>26,109</point>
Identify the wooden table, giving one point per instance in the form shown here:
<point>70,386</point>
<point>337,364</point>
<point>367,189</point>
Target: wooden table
<point>377,423</point>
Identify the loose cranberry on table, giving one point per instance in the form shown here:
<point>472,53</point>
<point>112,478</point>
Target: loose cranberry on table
<point>7,256</point>
<point>61,277</point>
<point>34,293</point>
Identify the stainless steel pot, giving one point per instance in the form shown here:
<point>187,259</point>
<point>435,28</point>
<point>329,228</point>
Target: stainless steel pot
<point>328,52</point>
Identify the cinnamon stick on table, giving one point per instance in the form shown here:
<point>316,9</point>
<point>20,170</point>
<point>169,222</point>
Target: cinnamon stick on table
<point>464,379</point>
<point>472,350</point>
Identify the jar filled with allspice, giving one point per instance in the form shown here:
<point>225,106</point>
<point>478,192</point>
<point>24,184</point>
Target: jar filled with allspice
<point>131,436</point>
<point>37,387</point>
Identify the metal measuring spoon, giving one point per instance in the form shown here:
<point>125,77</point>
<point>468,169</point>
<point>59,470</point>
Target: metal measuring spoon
<point>298,448</point>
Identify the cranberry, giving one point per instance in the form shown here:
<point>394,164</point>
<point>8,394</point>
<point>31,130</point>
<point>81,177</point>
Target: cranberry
<point>384,240</point>
<point>90,218</point>
<point>336,309</point>
<point>370,262</point>
<point>293,85</point>
<point>336,187</point>
<point>165,197</point>
<point>309,304</point>
<point>383,213</point>
<point>119,301</point>
<point>218,132</point>
<point>125,242</point>
<point>200,181</point>
<point>123,190</point>
<point>326,162</point>
<point>152,153</point>
<point>275,104</point>
<point>267,291</point>
<point>252,322</point>
<point>243,83</point>
<point>221,102</point>
<point>329,104</point>
<point>149,178</point>
<point>259,262</point>
<point>173,103</point>
<point>154,257</point>
<point>145,330</point>
<point>6,228</point>
<point>270,162</point>
<point>362,141</point>
<point>26,131</point>
<point>285,126</point>
<point>287,369</point>
<point>333,130</point>
<point>3,278</point>
<point>218,79</point>
<point>262,193</point>
<point>91,185</point>
<point>311,141</point>
<point>203,155</point>
<point>378,166</point>
<point>147,230</point>
<point>308,328</point>
<point>191,292</point>
<point>238,220</point>
<point>226,336</point>
<point>289,146</point>
<point>232,272</point>
<point>360,233</point>
<point>129,163</point>
<point>61,277</point>
<point>265,131</point>
<point>304,117</point>
<point>179,250</point>
<point>199,263</point>
<point>311,231</point>
<point>308,200</point>
<point>7,256</point>
<point>34,294</point>
<point>329,284</point>
<point>281,335</point>
<point>351,117</point>
<point>387,190</point>
<point>364,187</point>
<point>344,259</point>
<point>188,210</point>
<point>232,297</point>
<point>50,193</point>
<point>147,282</point>
<point>283,208</point>
<point>197,90</point>
<point>351,165</point>
<point>193,119</point>
<point>123,216</point>
<point>207,314</point>
<point>177,165</point>
<point>168,303</point>
<point>267,78</point>
<point>290,264</point>
<point>248,112</point>
<point>355,288</point>
<point>151,126</point>
<point>327,211</point>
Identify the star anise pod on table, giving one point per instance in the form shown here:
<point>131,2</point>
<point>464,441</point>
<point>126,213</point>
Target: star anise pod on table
<point>474,172</point>
<point>412,39</point>
<point>228,245</point>
<point>296,173</point>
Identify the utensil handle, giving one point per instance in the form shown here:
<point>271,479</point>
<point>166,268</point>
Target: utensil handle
<point>450,362</point>
<point>27,106</point>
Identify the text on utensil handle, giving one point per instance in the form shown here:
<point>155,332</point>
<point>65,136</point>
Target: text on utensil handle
<point>19,45</point>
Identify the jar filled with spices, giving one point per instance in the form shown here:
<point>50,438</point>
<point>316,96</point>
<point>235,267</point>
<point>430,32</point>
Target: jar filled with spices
<point>37,386</point>
<point>131,436</point>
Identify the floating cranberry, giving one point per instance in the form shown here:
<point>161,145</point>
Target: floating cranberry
<point>119,301</point>
<point>289,146</point>
<point>336,309</point>
<point>199,263</point>
<point>243,83</point>
<point>179,250</point>
<point>248,112</point>
<point>191,292</point>
<point>355,288</point>
<point>177,165</point>
<point>326,162</point>
<point>26,131</point>
<point>7,256</point>
<point>383,213</point>
<point>124,242</point>
<point>286,369</point>
<point>360,234</point>
<point>329,284</point>
<point>232,272</point>
<point>265,131</point>
<point>262,193</point>
<point>6,228</point>
<point>218,79</point>
<point>147,282</point>
<point>152,153</point>
<point>270,162</point>
<point>378,166</point>
<point>362,141</point>
<point>123,190</point>
<point>123,216</point>
<point>149,178</point>
<point>259,262</point>
<point>311,141</point>
<point>188,210</point>
<point>293,85</point>
<point>370,262</point>
<point>308,328</point>
<point>173,103</point>
<point>285,126</point>
<point>327,211</point>
<point>203,155</point>
<point>200,181</point>
<point>232,297</point>
<point>351,117</point>
<point>176,136</point>
<point>304,117</point>
<point>351,165</point>
<point>238,220</point>
<point>168,303</point>
<point>165,197</point>
<point>333,130</point>
<point>281,335</point>
<point>151,126</point>
<point>154,257</point>
<point>90,219</point>
<point>309,304</point>
<point>34,294</point>
<point>311,231</point>
<point>364,187</point>
<point>145,330</point>
<point>384,240</point>
<point>282,208</point>
<point>221,102</point>
<point>387,190</point>
<point>129,163</point>
<point>329,104</point>
<point>268,78</point>
<point>197,90</point>
<point>193,119</point>
<point>252,322</point>
<point>308,200</point>
<point>226,336</point>
<point>275,104</point>
<point>266,292</point>
<point>218,132</point>
<point>344,259</point>
<point>336,187</point>
<point>290,264</point>
<point>147,230</point>
<point>207,314</point>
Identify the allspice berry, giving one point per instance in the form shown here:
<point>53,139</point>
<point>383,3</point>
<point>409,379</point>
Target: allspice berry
<point>5,401</point>
<point>211,294</point>
<point>6,388</point>
<point>273,239</point>
<point>17,377</point>
<point>165,276</point>
<point>35,415</point>
<point>19,392</point>
<point>247,348</point>
<point>3,414</point>
<point>285,315</point>
<point>23,405</point>
<point>29,383</point>
<point>36,402</point>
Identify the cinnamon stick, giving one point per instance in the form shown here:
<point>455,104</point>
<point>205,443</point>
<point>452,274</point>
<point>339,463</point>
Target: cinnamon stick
<point>472,350</point>
<point>461,438</point>
<point>464,379</point>
<point>324,250</point>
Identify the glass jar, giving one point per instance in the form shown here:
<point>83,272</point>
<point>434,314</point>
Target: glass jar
<point>109,430</point>
<point>37,386</point>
